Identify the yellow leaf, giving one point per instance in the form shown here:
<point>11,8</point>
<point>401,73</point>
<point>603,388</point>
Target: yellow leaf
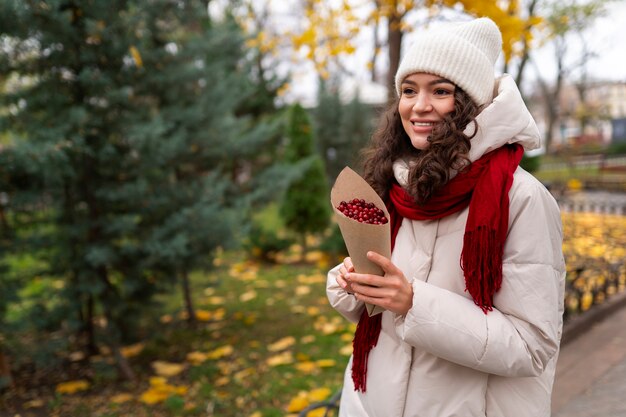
<point>346,350</point>
<point>328,328</point>
<point>314,256</point>
<point>574,184</point>
<point>204,315</point>
<point>320,412</point>
<point>221,381</point>
<point>306,367</point>
<point>132,350</point>
<point>280,359</point>
<point>220,352</point>
<point>121,398</point>
<point>282,344</point>
<point>347,337</point>
<point>196,358</point>
<point>298,403</point>
<point>305,340</point>
<point>34,404</point>
<point>136,56</point>
<point>298,309</point>
<point>215,300</point>
<point>247,296</point>
<point>319,394</point>
<point>311,279</point>
<point>326,363</point>
<point>70,387</point>
<point>256,414</point>
<point>219,314</point>
<point>167,369</point>
<point>313,311</point>
<point>303,290</point>
<point>244,374</point>
<point>154,396</point>
<point>157,381</point>
<point>180,390</point>
<point>250,319</point>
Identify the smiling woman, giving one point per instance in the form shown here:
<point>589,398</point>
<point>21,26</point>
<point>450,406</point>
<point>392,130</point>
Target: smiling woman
<point>473,290</point>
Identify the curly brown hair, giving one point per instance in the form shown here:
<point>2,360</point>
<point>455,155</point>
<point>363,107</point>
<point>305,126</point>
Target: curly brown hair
<point>430,169</point>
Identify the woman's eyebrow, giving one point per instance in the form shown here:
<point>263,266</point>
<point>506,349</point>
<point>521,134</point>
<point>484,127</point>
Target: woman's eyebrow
<point>441,81</point>
<point>431,83</point>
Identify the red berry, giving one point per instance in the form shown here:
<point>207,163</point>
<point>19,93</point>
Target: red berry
<point>362,211</point>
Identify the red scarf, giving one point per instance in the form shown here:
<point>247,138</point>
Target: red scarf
<point>484,186</point>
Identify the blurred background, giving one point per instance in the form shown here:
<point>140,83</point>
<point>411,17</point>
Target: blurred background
<point>165,167</point>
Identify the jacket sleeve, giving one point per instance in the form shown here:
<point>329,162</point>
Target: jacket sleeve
<point>346,304</point>
<point>522,333</point>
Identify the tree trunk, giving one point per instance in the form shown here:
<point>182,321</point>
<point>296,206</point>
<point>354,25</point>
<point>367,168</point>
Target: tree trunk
<point>303,244</point>
<point>6,380</point>
<point>113,333</point>
<point>526,47</point>
<point>184,280</point>
<point>90,344</point>
<point>4,224</point>
<point>395,49</point>
<point>122,363</point>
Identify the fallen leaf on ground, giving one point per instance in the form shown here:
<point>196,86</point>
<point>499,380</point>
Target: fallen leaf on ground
<point>247,296</point>
<point>280,359</point>
<point>167,369</point>
<point>34,404</point>
<point>71,387</point>
<point>196,358</point>
<point>132,350</point>
<point>121,398</point>
<point>282,344</point>
<point>319,394</point>
<point>298,403</point>
<point>220,352</point>
<point>326,363</point>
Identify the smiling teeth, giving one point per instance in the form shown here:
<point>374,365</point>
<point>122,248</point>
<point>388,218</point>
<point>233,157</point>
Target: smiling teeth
<point>421,124</point>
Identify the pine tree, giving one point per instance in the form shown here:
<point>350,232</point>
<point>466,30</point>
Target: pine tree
<point>327,118</point>
<point>341,130</point>
<point>128,132</point>
<point>355,130</point>
<point>305,207</point>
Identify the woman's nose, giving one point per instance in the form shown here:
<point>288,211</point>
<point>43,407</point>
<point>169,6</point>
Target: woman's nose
<point>422,104</point>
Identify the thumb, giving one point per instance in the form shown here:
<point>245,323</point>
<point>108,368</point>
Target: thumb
<point>383,262</point>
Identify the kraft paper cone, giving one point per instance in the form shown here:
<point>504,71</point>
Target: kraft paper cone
<point>361,237</point>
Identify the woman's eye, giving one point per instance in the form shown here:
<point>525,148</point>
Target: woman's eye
<point>407,91</point>
<point>442,91</point>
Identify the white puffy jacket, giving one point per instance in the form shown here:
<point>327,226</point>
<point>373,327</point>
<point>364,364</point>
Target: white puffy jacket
<point>446,357</point>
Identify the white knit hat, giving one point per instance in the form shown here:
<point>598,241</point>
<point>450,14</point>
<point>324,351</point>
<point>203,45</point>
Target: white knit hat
<point>464,53</point>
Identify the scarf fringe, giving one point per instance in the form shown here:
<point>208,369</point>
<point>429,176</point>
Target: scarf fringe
<point>365,338</point>
<point>483,268</point>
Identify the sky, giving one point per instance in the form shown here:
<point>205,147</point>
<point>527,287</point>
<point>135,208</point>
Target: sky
<point>608,39</point>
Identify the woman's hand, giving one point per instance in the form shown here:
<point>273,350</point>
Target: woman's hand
<point>391,291</point>
<point>344,270</point>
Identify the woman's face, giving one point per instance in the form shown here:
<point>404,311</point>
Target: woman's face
<point>425,99</point>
